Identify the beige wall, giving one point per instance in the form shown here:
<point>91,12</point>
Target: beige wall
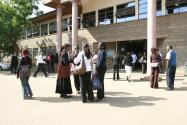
<point>100,4</point>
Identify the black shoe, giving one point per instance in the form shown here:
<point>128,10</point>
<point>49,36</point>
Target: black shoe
<point>66,96</point>
<point>61,95</point>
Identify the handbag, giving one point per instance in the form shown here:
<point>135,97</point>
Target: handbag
<point>25,70</point>
<point>96,84</point>
<point>154,64</point>
<point>81,69</point>
<point>63,71</point>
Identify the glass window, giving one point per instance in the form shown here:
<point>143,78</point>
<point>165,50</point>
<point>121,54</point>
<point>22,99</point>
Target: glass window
<point>176,6</point>
<point>64,24</point>
<point>70,23</point>
<point>52,27</point>
<point>143,8</point>
<point>29,33</point>
<point>44,29</point>
<point>125,12</point>
<point>88,20</point>
<point>23,34</point>
<point>36,31</point>
<point>106,16</point>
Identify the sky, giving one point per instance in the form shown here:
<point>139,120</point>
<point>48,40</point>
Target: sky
<point>45,9</point>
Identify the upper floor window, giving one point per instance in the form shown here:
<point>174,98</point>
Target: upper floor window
<point>36,31</point>
<point>29,33</point>
<point>125,12</point>
<point>65,24</point>
<point>106,16</point>
<point>44,29</point>
<point>176,6</point>
<point>52,27</point>
<point>88,19</point>
<point>143,7</point>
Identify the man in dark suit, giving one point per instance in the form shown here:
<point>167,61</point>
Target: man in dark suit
<point>101,68</point>
<point>116,62</point>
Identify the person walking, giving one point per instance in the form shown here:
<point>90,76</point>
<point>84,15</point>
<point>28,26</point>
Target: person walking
<point>75,76</point>
<point>23,72</point>
<point>128,66</point>
<point>63,86</point>
<point>85,79</point>
<point>155,62</point>
<point>101,68</point>
<point>40,65</point>
<point>171,64</point>
<point>116,63</point>
<point>14,63</point>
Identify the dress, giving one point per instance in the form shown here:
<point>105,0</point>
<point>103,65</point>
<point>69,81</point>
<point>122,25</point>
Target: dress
<point>63,86</point>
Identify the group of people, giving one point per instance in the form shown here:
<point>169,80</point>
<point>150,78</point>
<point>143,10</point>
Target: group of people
<point>129,62</point>
<point>67,63</point>
<point>130,59</point>
<point>93,64</point>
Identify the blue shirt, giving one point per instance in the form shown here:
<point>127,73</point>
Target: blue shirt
<point>171,57</point>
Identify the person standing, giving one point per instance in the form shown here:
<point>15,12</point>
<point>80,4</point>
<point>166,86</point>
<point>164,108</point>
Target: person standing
<point>155,62</point>
<point>101,68</point>
<point>143,62</point>
<point>14,63</point>
<point>25,65</point>
<point>63,86</point>
<point>40,65</point>
<point>75,76</point>
<point>116,63</point>
<point>85,79</point>
<point>134,59</point>
<point>171,64</point>
<point>128,65</point>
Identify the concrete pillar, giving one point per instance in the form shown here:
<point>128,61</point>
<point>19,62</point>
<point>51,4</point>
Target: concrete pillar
<point>137,9</point>
<point>114,16</point>
<point>81,26</point>
<point>59,28</point>
<point>74,23</point>
<point>163,7</point>
<point>96,18</point>
<point>151,31</point>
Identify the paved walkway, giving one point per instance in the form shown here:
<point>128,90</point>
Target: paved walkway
<point>125,104</point>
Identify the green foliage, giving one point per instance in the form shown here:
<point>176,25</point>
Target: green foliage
<point>14,17</point>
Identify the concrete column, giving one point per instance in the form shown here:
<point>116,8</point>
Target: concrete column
<point>151,31</point>
<point>137,9</point>
<point>96,18</point>
<point>163,7</point>
<point>114,16</point>
<point>74,23</point>
<point>81,26</point>
<point>59,28</point>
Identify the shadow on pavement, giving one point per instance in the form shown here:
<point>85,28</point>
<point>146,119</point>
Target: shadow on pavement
<point>57,99</point>
<point>131,101</point>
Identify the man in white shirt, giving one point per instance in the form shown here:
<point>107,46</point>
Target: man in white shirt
<point>134,59</point>
<point>40,65</point>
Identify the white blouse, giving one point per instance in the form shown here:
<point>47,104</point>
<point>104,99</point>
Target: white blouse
<point>78,59</point>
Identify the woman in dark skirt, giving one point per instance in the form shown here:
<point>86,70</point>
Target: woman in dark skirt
<point>63,86</point>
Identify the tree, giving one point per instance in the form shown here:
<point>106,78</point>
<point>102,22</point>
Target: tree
<point>14,17</point>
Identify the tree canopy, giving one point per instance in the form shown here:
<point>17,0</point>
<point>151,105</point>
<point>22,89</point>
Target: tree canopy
<point>14,18</point>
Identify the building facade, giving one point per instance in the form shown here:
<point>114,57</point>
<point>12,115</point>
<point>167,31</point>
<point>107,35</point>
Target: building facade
<point>121,24</point>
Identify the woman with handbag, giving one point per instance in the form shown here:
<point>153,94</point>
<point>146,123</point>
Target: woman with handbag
<point>84,60</point>
<point>63,86</point>
<point>24,70</point>
<point>155,61</point>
